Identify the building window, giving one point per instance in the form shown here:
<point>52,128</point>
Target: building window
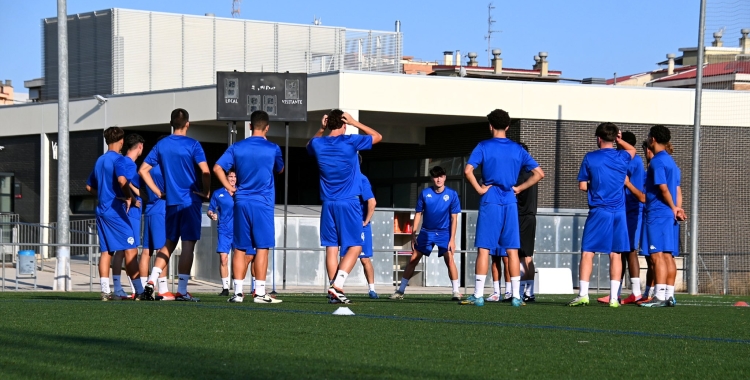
<point>6,193</point>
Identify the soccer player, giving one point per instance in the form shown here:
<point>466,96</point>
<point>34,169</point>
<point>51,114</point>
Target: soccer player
<point>499,259</point>
<point>635,182</point>
<point>112,223</point>
<point>602,175</point>
<point>497,224</point>
<point>368,203</point>
<point>154,234</point>
<point>221,208</point>
<point>527,205</point>
<point>255,160</point>
<point>177,156</point>
<point>340,188</point>
<point>663,213</point>
<point>126,168</point>
<point>440,206</point>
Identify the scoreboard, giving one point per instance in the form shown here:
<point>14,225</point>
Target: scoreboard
<point>282,95</point>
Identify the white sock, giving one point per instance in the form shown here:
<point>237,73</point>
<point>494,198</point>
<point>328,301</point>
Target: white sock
<point>515,286</point>
<point>163,286</point>
<point>104,281</point>
<point>371,287</point>
<point>454,284</point>
<point>144,281</point>
<point>182,283</point>
<point>238,286</point>
<point>225,282</point>
<point>137,286</point>
<point>340,279</point>
<point>508,287</point>
<point>260,288</point>
<point>670,291</point>
<point>496,287</point>
<point>155,273</point>
<point>661,291</point>
<point>614,288</point>
<point>479,285</point>
<point>636,282</point>
<point>402,286</point>
<point>117,283</point>
<point>583,288</point>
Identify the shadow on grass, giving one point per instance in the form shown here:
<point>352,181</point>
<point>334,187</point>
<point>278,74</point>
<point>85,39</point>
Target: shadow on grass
<point>39,355</point>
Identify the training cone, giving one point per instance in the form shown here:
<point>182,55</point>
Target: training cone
<point>741,304</point>
<point>343,311</point>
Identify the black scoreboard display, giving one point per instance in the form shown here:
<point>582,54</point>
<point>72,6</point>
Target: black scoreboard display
<point>282,95</point>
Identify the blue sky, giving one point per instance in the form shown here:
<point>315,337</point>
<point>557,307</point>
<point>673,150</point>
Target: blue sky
<point>584,38</point>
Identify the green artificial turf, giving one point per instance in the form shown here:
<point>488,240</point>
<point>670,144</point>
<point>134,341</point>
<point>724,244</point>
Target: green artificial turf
<point>76,336</point>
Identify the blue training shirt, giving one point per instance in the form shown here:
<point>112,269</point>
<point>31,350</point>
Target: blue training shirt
<point>177,155</point>
<point>365,194</point>
<point>501,160</point>
<point>637,176</point>
<point>255,160</point>
<point>437,208</point>
<point>223,204</point>
<point>155,205</point>
<point>104,181</point>
<point>339,165</point>
<point>661,170</point>
<point>126,167</point>
<point>605,170</point>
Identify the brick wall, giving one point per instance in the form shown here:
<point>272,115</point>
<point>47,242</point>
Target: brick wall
<point>21,156</point>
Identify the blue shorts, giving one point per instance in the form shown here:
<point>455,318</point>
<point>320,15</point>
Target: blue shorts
<point>253,226</point>
<point>605,231</point>
<point>154,232</point>
<point>224,242</point>
<point>635,223</point>
<point>676,251</point>
<point>499,252</point>
<point>341,224</point>
<point>135,224</point>
<point>366,245</point>
<point>662,233</point>
<point>115,232</point>
<point>184,222</point>
<point>497,226</point>
<point>426,240</point>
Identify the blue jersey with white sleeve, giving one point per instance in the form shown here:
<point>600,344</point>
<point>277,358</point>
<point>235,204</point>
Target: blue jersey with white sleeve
<point>177,155</point>
<point>437,208</point>
<point>501,160</point>
<point>223,204</point>
<point>605,170</point>
<point>339,165</point>
<point>255,160</point>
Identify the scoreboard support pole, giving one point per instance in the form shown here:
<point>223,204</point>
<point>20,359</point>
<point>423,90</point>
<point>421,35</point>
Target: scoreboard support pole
<point>286,198</point>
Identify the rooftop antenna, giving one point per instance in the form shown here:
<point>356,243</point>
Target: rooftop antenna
<point>317,21</point>
<point>488,37</point>
<point>236,8</point>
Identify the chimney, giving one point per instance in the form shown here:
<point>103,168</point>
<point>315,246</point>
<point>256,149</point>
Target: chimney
<point>448,58</point>
<point>473,59</point>
<point>670,64</point>
<point>497,62</point>
<point>536,62</point>
<point>8,83</point>
<point>717,39</point>
<point>398,26</point>
<point>543,64</point>
<point>745,41</point>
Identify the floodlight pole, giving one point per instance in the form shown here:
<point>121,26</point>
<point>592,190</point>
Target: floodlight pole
<point>62,271</point>
<point>695,186</point>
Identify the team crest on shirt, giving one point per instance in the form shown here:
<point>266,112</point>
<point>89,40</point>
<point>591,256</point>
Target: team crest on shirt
<point>446,197</point>
<point>131,240</point>
<point>221,195</point>
<point>429,195</point>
